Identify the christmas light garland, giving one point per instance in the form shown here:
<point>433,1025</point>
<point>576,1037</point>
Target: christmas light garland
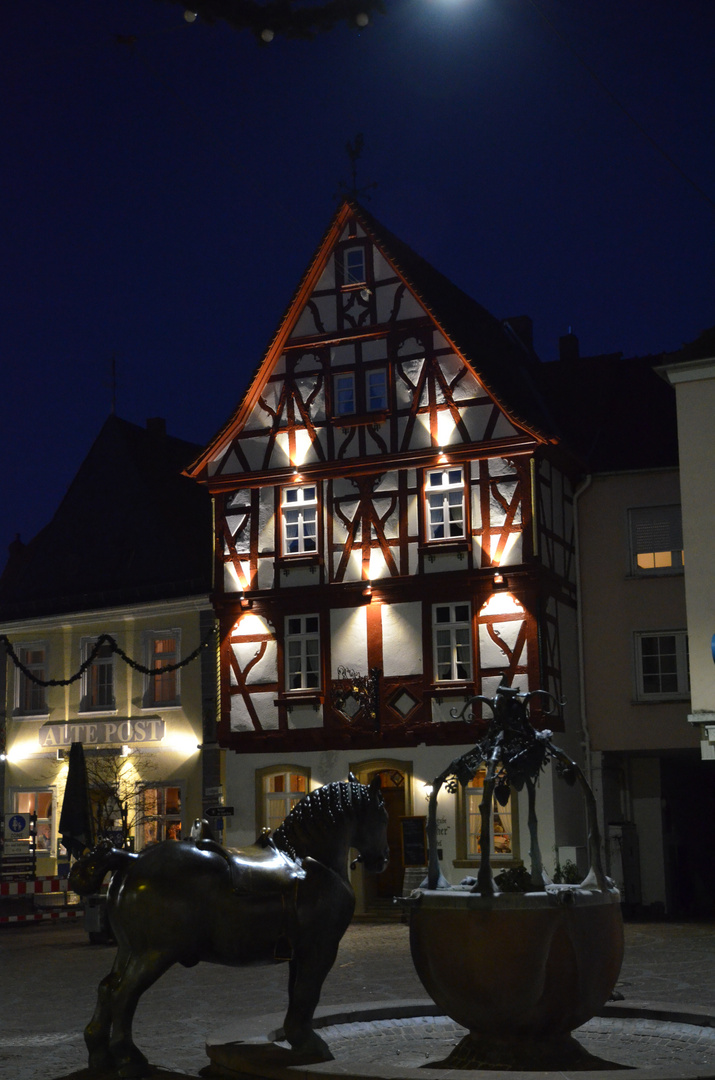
<point>104,639</point>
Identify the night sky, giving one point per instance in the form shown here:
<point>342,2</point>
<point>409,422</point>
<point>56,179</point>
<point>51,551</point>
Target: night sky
<point>161,197</point>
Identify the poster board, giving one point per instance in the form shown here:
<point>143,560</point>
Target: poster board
<point>413,832</point>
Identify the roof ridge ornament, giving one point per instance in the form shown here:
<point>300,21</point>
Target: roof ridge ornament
<point>352,191</point>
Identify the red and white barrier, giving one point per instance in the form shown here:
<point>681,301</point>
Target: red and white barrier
<point>29,888</point>
<point>38,916</point>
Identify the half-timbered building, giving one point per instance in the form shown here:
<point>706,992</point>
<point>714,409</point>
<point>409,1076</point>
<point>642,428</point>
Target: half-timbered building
<point>393,535</point>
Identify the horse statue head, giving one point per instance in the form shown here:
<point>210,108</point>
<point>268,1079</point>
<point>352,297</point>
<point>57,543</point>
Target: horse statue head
<point>331,820</point>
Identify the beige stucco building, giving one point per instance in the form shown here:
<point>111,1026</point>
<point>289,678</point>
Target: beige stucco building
<point>692,374</point>
<point>110,643</point>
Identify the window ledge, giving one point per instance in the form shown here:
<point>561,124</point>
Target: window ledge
<point>451,689</point>
<point>438,547</point>
<point>312,558</point>
<point>379,416</point>
<point>173,706</point>
<point>675,572</point>
<point>18,715</point>
<point>98,712</point>
<point>670,699</point>
<point>300,697</point>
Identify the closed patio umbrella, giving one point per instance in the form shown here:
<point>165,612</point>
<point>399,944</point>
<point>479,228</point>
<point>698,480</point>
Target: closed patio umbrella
<point>76,822</point>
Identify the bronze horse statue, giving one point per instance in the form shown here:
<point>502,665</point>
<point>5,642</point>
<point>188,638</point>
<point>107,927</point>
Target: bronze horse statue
<point>185,901</point>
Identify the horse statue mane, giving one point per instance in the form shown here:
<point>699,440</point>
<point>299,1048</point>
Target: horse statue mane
<point>313,819</point>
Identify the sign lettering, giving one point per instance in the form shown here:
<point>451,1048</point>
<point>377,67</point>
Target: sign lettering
<point>102,732</point>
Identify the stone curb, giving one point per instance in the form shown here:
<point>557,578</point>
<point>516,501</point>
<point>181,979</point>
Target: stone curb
<point>268,1062</point>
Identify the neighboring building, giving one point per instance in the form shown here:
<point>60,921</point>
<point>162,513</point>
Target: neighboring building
<point>390,499</point>
<point>656,797</point>
<point>691,371</point>
<point>128,553</point>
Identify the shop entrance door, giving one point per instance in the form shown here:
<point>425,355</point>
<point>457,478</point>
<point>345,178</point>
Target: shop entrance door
<point>392,781</point>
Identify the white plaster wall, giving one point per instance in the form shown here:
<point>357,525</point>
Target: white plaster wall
<point>348,639</point>
<point>265,670</point>
<point>402,639</point>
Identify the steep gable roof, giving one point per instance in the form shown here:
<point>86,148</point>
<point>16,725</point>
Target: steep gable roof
<point>615,412</point>
<point>504,366</point>
<point>131,527</point>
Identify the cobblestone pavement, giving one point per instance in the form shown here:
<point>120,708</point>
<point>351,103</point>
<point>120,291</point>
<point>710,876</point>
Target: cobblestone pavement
<point>49,975</point>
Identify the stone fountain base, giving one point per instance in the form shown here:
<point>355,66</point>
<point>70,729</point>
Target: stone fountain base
<point>407,1041</point>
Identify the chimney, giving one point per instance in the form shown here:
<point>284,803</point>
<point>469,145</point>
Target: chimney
<point>522,327</point>
<point>156,426</point>
<point>568,347</point>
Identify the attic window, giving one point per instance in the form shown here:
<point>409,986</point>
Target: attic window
<point>354,266</point>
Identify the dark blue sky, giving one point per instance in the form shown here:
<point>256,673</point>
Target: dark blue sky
<point>160,200</point>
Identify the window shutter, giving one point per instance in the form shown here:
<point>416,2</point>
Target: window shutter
<point>656,528</point>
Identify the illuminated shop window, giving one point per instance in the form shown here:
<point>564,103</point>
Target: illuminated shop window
<point>40,803</point>
<point>444,495</point>
<point>501,824</point>
<point>158,814</point>
<point>280,790</point>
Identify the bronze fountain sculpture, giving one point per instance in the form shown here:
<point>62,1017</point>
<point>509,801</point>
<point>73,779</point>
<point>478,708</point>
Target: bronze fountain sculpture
<point>287,897</point>
<point>520,969</point>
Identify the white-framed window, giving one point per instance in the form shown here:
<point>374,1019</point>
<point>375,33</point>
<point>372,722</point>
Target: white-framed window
<point>661,665</point>
<point>452,628</point>
<point>656,537</point>
<point>162,648</point>
<point>444,496</point>
<point>354,265</point>
<point>39,801</point>
<point>98,679</point>
<point>278,791</point>
<point>30,697</point>
<point>344,386</point>
<point>501,833</point>
<point>158,814</point>
<point>302,652</point>
<point>299,511</point>
<point>376,389</point>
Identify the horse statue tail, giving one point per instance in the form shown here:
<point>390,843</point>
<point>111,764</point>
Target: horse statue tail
<point>88,873</point>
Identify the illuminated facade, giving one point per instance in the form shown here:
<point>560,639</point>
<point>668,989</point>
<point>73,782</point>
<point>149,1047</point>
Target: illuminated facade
<point>142,733</point>
<point>389,500</point>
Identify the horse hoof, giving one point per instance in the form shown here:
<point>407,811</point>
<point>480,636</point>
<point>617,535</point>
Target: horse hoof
<point>133,1067</point>
<point>100,1061</point>
<point>311,1050</point>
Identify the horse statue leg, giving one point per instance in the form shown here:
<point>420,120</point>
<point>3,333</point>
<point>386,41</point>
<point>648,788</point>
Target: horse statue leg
<point>98,1030</point>
<point>136,974</point>
<point>324,913</point>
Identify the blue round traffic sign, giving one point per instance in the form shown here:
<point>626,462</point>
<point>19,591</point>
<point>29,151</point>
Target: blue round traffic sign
<point>17,823</point>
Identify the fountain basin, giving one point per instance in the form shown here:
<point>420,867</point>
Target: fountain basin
<point>524,966</point>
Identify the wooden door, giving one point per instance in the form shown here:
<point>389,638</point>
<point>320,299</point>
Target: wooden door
<point>392,781</point>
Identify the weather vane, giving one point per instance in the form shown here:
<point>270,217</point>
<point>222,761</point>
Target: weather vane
<point>354,152</point>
